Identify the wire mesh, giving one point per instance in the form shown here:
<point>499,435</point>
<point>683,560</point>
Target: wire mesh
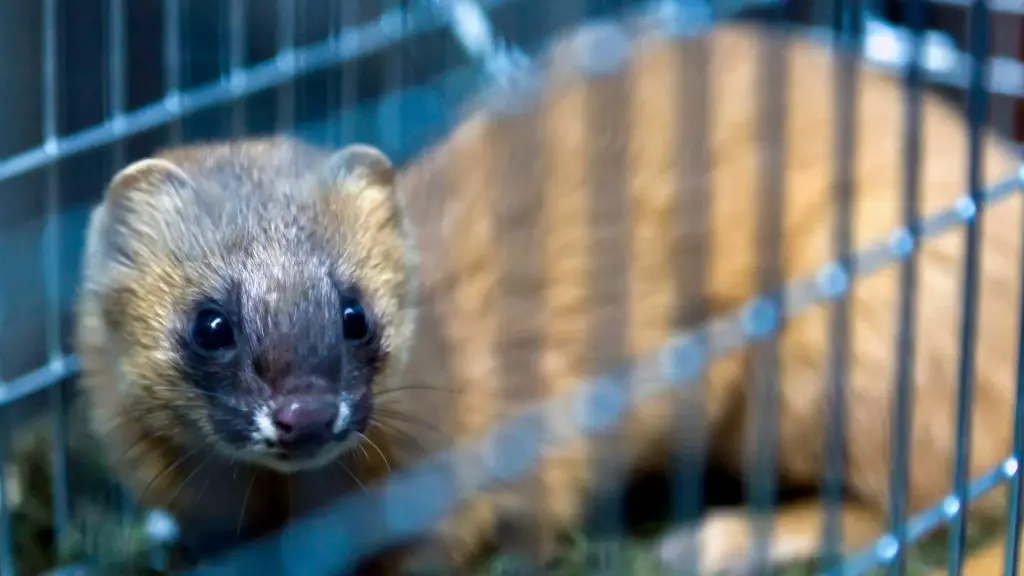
<point>598,405</point>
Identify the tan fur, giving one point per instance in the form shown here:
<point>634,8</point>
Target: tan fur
<point>484,346</point>
<point>482,202</point>
<point>725,541</point>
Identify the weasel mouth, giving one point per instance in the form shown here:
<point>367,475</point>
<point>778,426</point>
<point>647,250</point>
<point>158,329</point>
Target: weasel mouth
<point>300,452</point>
<point>304,458</point>
<point>360,424</point>
<point>311,454</point>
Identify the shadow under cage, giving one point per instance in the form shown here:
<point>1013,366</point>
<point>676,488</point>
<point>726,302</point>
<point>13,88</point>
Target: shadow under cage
<point>95,85</point>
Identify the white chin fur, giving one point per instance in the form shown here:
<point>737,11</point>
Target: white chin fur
<point>261,455</point>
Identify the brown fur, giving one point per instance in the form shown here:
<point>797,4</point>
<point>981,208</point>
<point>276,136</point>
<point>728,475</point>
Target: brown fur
<point>494,177</point>
<point>510,313</point>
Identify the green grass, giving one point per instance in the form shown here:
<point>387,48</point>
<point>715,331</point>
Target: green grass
<point>637,557</point>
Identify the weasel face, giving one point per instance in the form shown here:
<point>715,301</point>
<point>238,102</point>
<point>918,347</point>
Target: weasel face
<point>284,366</point>
<point>252,296</point>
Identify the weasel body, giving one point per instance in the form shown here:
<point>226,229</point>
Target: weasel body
<point>545,240</point>
<point>599,153</point>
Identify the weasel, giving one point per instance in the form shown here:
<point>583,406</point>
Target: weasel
<point>259,315</point>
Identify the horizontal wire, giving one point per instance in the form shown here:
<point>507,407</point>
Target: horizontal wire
<point>51,374</point>
<point>1007,78</point>
<point>884,549</point>
<point>1014,7</point>
<point>393,26</point>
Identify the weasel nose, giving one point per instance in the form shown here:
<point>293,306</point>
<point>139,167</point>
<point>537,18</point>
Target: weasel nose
<point>305,423</point>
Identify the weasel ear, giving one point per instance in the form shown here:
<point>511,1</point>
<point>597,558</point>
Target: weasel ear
<point>358,166</point>
<point>137,200</point>
<point>363,174</point>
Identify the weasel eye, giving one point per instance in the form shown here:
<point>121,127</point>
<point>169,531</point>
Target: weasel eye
<point>212,331</point>
<point>354,322</point>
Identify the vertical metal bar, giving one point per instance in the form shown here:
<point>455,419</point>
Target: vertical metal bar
<point>389,112</point>
<point>115,19</point>
<point>1016,485</point>
<point>6,537</point>
<point>172,62</point>
<point>300,36</point>
<point>7,551</point>
<point>49,51</point>
<point>396,80</point>
<point>52,268</point>
<point>115,115</point>
<point>349,79</point>
<point>1015,514</point>
<point>691,274</point>
<point>977,107</point>
<point>116,73</point>
<point>286,59</point>
<point>115,86</point>
<point>390,121</point>
<point>334,13</point>
<point>766,317</point>
<point>844,147</point>
<point>607,104</point>
<point>236,62</point>
<point>1016,488</point>
<point>1018,104</point>
<point>49,71</point>
<point>907,313</point>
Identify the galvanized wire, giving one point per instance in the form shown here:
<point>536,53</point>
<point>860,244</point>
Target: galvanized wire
<point>52,270</point>
<point>695,204</point>
<point>7,549</point>
<point>352,43</point>
<point>977,109</point>
<point>598,404</point>
<point>907,312</point>
<point>763,429</point>
<point>847,29</point>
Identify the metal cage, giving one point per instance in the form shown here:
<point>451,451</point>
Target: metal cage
<point>90,84</point>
